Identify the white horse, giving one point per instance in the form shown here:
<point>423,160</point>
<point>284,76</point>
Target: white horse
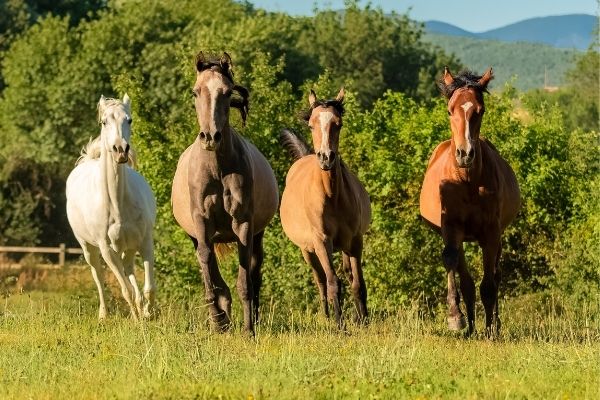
<point>112,209</point>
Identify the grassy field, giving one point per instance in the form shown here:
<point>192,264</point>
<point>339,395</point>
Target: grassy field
<point>51,347</point>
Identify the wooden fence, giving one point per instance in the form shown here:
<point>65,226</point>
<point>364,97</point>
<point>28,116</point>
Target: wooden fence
<point>61,250</point>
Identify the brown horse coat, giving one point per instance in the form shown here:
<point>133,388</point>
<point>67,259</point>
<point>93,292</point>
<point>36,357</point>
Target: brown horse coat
<point>224,190</point>
<point>325,208</point>
<point>469,193</point>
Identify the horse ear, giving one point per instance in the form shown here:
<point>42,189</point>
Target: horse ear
<point>225,61</point>
<point>486,78</point>
<point>341,94</point>
<point>200,61</point>
<point>448,78</point>
<point>127,101</point>
<point>101,102</point>
<point>312,97</point>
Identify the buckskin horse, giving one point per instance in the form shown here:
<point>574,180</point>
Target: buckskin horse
<point>224,191</point>
<point>324,207</point>
<point>469,193</point>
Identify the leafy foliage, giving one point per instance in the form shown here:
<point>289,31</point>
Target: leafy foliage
<point>56,70</point>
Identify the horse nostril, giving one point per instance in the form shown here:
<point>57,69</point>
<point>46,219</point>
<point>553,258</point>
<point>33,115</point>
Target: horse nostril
<point>127,148</point>
<point>218,136</point>
<point>331,155</point>
<point>457,153</point>
<point>471,153</point>
<point>114,148</point>
<point>202,135</point>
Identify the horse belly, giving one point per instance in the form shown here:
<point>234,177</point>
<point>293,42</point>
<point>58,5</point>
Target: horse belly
<point>180,195</point>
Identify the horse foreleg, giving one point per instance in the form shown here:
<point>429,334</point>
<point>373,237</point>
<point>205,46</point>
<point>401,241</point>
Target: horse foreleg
<point>319,277</point>
<point>147,253</point>
<point>324,252</point>
<point>115,263</point>
<point>490,283</point>
<point>244,281</point>
<point>452,237</point>
<point>92,256</point>
<point>359,289</point>
<point>467,289</point>
<point>128,268</point>
<point>255,270</point>
<point>216,291</point>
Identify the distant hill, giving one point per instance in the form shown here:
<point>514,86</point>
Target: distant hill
<point>564,31</point>
<point>526,62</point>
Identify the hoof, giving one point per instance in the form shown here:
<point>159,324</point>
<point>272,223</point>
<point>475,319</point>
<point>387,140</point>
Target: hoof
<point>457,323</point>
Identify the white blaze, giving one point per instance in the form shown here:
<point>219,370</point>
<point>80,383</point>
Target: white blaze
<point>325,118</point>
<point>212,86</point>
<point>466,107</point>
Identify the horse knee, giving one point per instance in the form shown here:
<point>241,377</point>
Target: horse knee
<point>450,257</point>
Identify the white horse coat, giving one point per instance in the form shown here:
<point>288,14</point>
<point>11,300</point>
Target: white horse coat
<point>112,209</point>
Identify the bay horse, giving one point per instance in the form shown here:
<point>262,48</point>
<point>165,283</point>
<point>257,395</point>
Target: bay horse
<point>224,191</point>
<point>112,210</point>
<point>325,208</point>
<point>469,193</point>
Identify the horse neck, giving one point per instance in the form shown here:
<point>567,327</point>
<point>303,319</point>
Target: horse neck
<point>471,174</point>
<point>332,181</point>
<point>113,184</point>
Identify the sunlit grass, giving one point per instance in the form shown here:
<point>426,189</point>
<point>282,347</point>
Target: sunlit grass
<point>51,346</point>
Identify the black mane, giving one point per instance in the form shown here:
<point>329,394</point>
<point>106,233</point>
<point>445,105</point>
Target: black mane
<point>464,78</point>
<point>336,104</point>
<point>215,65</point>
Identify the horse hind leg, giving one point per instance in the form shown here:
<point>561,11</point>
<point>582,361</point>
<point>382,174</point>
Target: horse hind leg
<point>115,263</point>
<point>92,257</point>
<point>147,252</point>
<point>489,286</point>
<point>128,267</point>
<point>467,289</point>
<point>319,277</point>
<point>357,281</point>
<point>255,271</point>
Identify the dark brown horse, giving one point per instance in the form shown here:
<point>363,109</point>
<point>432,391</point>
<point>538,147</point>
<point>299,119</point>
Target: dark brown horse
<point>324,207</point>
<point>224,191</point>
<point>469,193</point>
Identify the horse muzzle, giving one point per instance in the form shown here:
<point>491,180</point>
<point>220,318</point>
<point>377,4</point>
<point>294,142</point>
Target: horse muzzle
<point>210,141</point>
<point>464,159</point>
<point>120,154</point>
<point>326,159</point>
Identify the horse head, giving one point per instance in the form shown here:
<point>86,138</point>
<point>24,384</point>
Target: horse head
<point>465,108</point>
<point>213,92</point>
<point>115,117</point>
<point>325,122</point>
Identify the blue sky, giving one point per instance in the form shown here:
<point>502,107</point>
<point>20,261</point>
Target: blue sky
<point>472,15</point>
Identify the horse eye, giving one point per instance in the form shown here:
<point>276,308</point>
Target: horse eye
<point>103,122</point>
<point>194,93</point>
<point>129,121</point>
<point>449,113</point>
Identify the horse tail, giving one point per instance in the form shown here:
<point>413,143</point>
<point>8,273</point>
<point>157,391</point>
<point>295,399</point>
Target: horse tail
<point>224,250</point>
<point>295,144</point>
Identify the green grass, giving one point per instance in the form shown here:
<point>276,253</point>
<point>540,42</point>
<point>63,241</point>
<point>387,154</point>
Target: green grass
<point>51,346</point>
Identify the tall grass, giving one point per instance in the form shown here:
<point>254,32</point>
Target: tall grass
<point>51,346</point>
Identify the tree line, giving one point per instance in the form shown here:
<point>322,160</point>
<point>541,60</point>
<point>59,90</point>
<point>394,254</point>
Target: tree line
<point>55,68</point>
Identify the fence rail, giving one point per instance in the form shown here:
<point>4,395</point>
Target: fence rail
<point>61,250</point>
